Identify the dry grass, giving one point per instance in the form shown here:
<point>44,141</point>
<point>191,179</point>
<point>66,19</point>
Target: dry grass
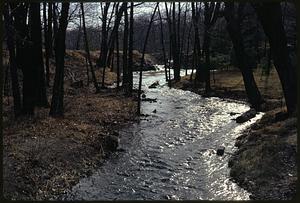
<point>44,156</point>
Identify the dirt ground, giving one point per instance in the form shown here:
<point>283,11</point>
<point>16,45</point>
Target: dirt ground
<point>265,162</point>
<point>44,156</point>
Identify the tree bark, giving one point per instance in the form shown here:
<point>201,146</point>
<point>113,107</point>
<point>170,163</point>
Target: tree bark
<point>130,51</point>
<point>270,16</point>
<point>87,50</point>
<point>46,40</point>
<point>163,44</point>
<point>234,30</point>
<point>125,53</point>
<point>142,61</point>
<point>57,105</point>
<point>50,32</point>
<point>10,37</point>
<point>37,55</point>
<point>104,33</point>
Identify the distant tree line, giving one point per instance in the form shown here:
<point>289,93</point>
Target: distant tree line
<point>182,34</point>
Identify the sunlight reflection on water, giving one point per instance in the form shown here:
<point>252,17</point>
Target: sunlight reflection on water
<point>172,153</point>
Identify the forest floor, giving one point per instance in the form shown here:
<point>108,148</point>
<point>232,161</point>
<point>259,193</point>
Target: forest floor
<point>265,162</point>
<point>44,156</point>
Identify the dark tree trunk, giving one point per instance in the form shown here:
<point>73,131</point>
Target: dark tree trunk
<point>46,44</point>
<point>163,44</point>
<point>87,50</point>
<point>270,17</point>
<point>188,49</point>
<point>176,65</point>
<point>210,16</point>
<point>118,54</point>
<point>104,34</point>
<point>79,35</point>
<point>142,60</point>
<point>234,30</point>
<point>24,59</point>
<point>57,105</point>
<point>55,24</point>
<point>125,53</point>
<point>37,55</point>
<point>112,38</point>
<point>197,45</point>
<point>10,34</point>
<point>50,38</point>
<point>130,51</point>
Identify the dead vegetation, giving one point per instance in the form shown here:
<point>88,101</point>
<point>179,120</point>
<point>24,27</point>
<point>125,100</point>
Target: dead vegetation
<point>229,84</point>
<point>265,162</point>
<point>44,156</point>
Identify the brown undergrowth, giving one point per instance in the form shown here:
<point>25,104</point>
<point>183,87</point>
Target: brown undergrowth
<point>265,162</point>
<point>44,156</point>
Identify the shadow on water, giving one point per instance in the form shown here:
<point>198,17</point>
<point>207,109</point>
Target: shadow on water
<point>171,154</point>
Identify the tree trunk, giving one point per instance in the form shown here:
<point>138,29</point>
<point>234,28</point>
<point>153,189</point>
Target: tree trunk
<point>118,54</point>
<point>130,50</point>
<point>12,61</point>
<point>50,37</point>
<point>104,48</point>
<point>142,60</point>
<point>79,35</point>
<point>46,44</point>
<point>234,30</point>
<point>112,38</point>
<point>37,55</point>
<point>163,44</point>
<point>125,56</point>
<point>57,105</point>
<point>176,65</point>
<point>87,50</point>
<point>270,17</point>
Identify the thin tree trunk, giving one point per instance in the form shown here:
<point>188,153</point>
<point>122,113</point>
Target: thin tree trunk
<point>50,38</point>
<point>118,52</point>
<point>130,51</point>
<point>163,44</point>
<point>46,45</point>
<point>79,34</point>
<point>104,48</point>
<point>125,54</point>
<point>112,38</point>
<point>55,25</point>
<point>142,61</point>
<point>87,50</point>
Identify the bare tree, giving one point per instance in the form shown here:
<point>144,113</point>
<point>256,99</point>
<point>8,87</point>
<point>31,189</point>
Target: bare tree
<point>10,36</point>
<point>87,50</point>
<point>142,60</point>
<point>234,30</point>
<point>57,105</point>
<point>270,16</point>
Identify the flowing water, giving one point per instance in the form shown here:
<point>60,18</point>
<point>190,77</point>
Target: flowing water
<point>171,153</point>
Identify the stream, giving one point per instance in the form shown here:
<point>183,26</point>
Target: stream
<point>171,153</point>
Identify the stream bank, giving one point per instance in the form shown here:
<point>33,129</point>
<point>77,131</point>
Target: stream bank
<point>172,152</point>
<point>265,162</point>
<point>43,156</point>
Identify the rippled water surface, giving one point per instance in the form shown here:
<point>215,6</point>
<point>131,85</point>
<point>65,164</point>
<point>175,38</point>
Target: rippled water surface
<point>171,154</point>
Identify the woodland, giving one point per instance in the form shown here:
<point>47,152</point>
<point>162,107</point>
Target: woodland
<point>75,75</point>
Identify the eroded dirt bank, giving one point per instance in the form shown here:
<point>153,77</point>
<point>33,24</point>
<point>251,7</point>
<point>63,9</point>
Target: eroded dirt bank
<point>44,156</point>
<point>265,162</point>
